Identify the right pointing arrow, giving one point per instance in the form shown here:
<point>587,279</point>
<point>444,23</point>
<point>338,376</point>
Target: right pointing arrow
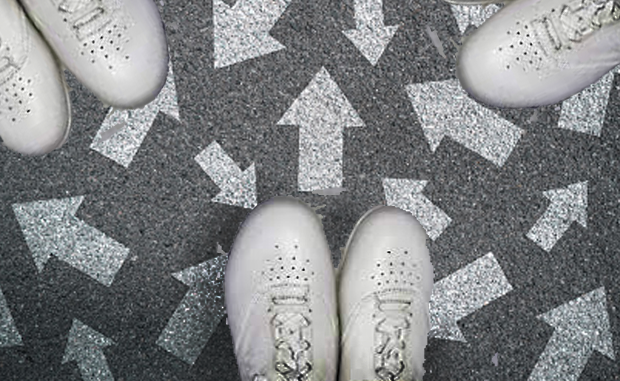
<point>85,346</point>
<point>463,293</point>
<point>407,195</point>
<point>445,109</point>
<point>581,327</point>
<point>238,188</point>
<point>567,206</point>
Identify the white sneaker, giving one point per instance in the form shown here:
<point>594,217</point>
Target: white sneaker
<point>34,104</point>
<point>539,52</point>
<point>116,48</point>
<point>385,282</point>
<point>280,296</point>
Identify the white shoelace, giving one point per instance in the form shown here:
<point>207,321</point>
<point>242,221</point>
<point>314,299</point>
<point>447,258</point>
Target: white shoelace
<point>85,16</point>
<point>390,334</point>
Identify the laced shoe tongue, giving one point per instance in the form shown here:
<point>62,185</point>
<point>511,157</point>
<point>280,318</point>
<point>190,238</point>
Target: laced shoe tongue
<point>290,294</point>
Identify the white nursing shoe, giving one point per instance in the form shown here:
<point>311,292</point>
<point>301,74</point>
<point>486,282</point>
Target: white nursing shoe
<point>534,53</point>
<point>385,282</point>
<point>116,48</point>
<point>280,296</point>
<point>34,104</point>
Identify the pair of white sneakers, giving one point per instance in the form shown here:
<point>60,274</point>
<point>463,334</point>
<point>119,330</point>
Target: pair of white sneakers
<point>116,48</point>
<point>287,306</point>
<point>535,53</point>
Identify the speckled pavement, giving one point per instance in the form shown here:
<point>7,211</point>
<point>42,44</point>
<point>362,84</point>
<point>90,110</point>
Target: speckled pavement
<point>112,248</point>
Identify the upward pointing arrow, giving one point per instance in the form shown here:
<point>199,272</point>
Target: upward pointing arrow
<point>371,36</point>
<point>567,206</point>
<point>51,228</point>
<point>322,111</point>
<point>241,32</point>
<point>581,327</point>
<point>444,108</point>
<point>85,345</point>
<point>123,131</point>
<point>9,335</point>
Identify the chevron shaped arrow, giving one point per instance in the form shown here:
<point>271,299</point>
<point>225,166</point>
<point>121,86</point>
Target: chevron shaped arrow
<point>51,228</point>
<point>445,109</point>
<point>238,188</point>
<point>9,335</point>
<point>322,111</point>
<point>371,36</point>
<point>407,195</point>
<point>467,15</point>
<point>123,131</point>
<point>581,327</point>
<point>568,205</point>
<point>200,311</point>
<point>85,346</point>
<point>241,32</point>
<point>464,292</point>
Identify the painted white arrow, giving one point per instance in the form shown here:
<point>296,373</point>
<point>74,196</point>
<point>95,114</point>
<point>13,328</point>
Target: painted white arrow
<point>467,15</point>
<point>567,206</point>
<point>581,327</point>
<point>9,335</point>
<point>51,228</point>
<point>371,36</point>
<point>85,346</point>
<point>241,32</point>
<point>444,108</point>
<point>238,188</point>
<point>123,131</point>
<point>464,292</point>
<point>407,195</point>
<point>200,311</point>
<point>585,111</point>
<point>322,111</point>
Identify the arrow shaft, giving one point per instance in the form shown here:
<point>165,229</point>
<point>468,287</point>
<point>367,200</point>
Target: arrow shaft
<point>369,13</point>
<point>549,228</point>
<point>94,366</point>
<point>218,165</point>
<point>433,219</point>
<point>558,363</point>
<point>320,158</point>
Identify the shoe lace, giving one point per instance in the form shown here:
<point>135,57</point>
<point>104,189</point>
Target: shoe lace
<point>8,65</point>
<point>390,332</point>
<point>85,17</point>
<point>290,326</point>
<point>576,19</point>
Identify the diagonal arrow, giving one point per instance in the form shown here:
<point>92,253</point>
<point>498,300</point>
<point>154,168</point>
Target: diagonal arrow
<point>51,228</point>
<point>444,108</point>
<point>322,111</point>
<point>85,346</point>
<point>407,195</point>
<point>567,206</point>
<point>9,335</point>
<point>463,293</point>
<point>585,111</point>
<point>200,311</point>
<point>581,327</point>
<point>371,36</point>
<point>241,32</point>
<point>467,15</point>
<point>123,131</point>
<point>238,188</point>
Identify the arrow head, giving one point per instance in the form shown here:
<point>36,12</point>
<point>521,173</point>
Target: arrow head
<point>572,202</point>
<point>372,41</point>
<point>239,191</point>
<point>585,316</point>
<point>207,272</point>
<point>322,104</point>
<point>82,341</point>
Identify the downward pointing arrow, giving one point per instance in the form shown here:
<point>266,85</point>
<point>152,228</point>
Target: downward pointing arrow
<point>51,228</point>
<point>241,32</point>
<point>444,108</point>
<point>371,36</point>
<point>200,311</point>
<point>407,195</point>
<point>322,111</point>
<point>123,131</point>
<point>238,187</point>
<point>567,206</point>
<point>9,335</point>
<point>463,293</point>
<point>85,345</point>
<point>581,327</point>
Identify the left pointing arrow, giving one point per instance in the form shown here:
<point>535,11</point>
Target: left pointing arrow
<point>85,346</point>
<point>51,228</point>
<point>9,335</point>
